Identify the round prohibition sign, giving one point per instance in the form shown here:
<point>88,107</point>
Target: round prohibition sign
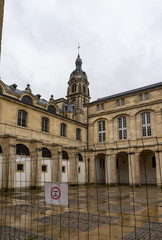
<point>55,193</point>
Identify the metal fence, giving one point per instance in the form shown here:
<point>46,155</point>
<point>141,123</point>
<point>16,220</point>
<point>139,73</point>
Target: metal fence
<point>96,209</point>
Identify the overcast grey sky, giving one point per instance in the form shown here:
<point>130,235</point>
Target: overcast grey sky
<point>121,44</point>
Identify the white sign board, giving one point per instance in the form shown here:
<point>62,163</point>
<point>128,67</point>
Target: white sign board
<point>56,193</point>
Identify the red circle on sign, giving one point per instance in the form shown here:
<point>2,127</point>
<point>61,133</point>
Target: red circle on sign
<point>57,193</point>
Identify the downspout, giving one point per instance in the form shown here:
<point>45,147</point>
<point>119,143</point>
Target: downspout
<point>87,129</point>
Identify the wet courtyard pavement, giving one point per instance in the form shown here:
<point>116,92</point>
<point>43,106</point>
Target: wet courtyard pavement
<point>94,212</point>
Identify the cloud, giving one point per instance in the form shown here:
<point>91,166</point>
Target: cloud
<point>120,44</point>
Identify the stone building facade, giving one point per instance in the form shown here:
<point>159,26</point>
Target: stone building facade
<point>115,139</point>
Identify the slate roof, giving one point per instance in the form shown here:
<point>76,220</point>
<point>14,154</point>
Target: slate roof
<point>119,95</point>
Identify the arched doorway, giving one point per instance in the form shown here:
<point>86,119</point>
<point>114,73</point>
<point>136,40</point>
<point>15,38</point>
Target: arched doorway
<point>122,168</point>
<point>22,174</point>
<point>147,167</point>
<point>81,169</point>
<point>46,171</point>
<point>65,166</point>
<point>100,168</point>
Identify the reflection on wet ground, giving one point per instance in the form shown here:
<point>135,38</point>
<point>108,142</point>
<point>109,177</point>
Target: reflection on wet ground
<point>94,212</point>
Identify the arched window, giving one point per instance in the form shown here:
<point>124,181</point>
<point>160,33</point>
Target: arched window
<point>146,124</point>
<point>74,88</point>
<point>122,123</point>
<point>78,134</point>
<point>0,149</point>
<point>80,157</point>
<point>45,124</point>
<point>22,150</point>
<point>46,153</point>
<point>26,99</point>
<point>101,131</point>
<point>22,116</point>
<point>65,155</point>
<point>51,109</point>
<point>63,130</point>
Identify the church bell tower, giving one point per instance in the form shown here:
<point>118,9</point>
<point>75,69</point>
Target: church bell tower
<point>78,89</point>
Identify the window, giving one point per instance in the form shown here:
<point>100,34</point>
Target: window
<point>46,153</point>
<point>102,106</point>
<point>84,89</point>
<point>44,168</point>
<point>122,101</point>
<point>51,109</point>
<point>73,88</point>
<point>22,150</point>
<point>45,124</point>
<point>27,99</point>
<point>0,149</point>
<point>122,128</point>
<point>0,90</point>
<point>22,115</point>
<point>78,134</point>
<point>20,167</point>
<point>79,170</point>
<point>101,131</point>
<point>153,162</point>
<point>63,130</point>
<point>65,155</point>
<point>63,169</point>
<point>146,124</point>
<point>98,107</point>
<point>117,103</point>
<point>146,96</point>
<point>80,157</point>
<point>141,97</point>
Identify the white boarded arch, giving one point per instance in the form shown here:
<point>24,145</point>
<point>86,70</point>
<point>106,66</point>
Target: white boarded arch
<point>22,166</point>
<point>46,168</point>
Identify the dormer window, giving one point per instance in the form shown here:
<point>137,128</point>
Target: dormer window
<point>51,109</point>
<point>28,100</point>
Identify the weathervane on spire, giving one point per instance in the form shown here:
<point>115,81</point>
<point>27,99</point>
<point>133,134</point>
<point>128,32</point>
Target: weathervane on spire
<point>78,48</point>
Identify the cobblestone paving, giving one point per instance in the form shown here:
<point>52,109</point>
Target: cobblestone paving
<point>152,231</point>
<point>77,221</point>
<point>18,210</point>
<point>9,233</point>
<point>118,208</point>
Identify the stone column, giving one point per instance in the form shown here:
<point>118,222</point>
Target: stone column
<point>9,164</point>
<point>56,164</point>
<point>110,169</point>
<point>134,168</point>
<point>158,156</point>
<point>73,157</point>
<point>36,164</point>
